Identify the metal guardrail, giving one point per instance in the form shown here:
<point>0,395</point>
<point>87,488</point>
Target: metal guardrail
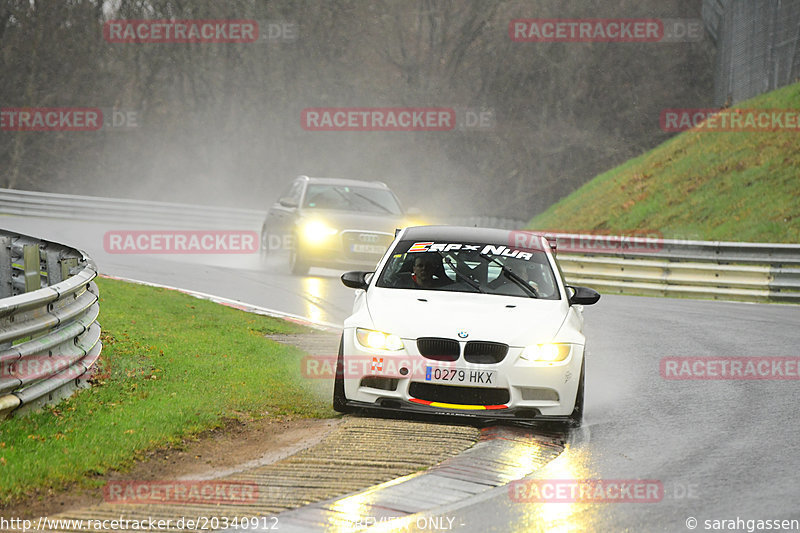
<point>754,272</point>
<point>49,335</point>
<point>94,208</point>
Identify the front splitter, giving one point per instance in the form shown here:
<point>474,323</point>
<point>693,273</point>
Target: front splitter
<point>481,413</point>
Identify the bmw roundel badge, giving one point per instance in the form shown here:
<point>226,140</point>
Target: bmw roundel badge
<point>463,334</point>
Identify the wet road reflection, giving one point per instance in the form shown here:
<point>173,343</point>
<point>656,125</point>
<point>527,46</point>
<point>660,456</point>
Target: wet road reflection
<point>315,292</point>
<point>503,454</point>
<point>552,516</point>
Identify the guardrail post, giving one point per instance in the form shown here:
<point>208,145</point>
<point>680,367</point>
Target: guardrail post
<point>67,264</point>
<point>5,267</point>
<point>53,267</point>
<point>31,265</point>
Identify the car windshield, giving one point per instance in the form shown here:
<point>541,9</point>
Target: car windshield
<point>489,268</point>
<point>345,198</point>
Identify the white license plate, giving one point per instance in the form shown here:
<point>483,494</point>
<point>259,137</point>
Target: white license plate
<point>461,376</point>
<point>367,249</point>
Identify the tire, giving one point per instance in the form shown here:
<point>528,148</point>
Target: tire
<point>264,240</point>
<point>339,397</point>
<point>298,265</point>
<point>576,418</point>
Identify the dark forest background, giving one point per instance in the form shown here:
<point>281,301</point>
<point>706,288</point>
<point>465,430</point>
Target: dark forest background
<point>220,123</point>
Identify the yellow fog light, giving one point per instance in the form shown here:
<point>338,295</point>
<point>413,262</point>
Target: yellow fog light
<point>378,340</point>
<point>546,353</point>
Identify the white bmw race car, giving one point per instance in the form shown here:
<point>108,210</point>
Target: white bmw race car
<point>465,321</point>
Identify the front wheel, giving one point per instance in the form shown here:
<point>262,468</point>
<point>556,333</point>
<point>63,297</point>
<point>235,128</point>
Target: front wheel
<point>576,418</point>
<point>339,398</point>
<point>298,264</point>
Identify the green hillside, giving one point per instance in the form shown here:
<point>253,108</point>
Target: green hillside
<point>734,186</point>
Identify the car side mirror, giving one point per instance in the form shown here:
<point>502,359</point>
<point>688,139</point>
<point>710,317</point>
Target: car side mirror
<point>356,279</point>
<point>287,202</point>
<point>582,295</point>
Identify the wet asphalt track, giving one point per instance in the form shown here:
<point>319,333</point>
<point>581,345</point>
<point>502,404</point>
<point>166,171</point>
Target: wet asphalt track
<point>721,450</point>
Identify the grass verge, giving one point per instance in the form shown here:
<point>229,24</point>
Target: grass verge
<point>172,366</point>
<point>730,186</point>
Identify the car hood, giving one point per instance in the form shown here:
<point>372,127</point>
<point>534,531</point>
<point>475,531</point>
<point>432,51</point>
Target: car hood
<point>413,313</point>
<point>348,220</point>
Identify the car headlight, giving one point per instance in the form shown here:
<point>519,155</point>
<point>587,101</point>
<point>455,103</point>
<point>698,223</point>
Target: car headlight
<point>546,353</point>
<point>378,340</point>
<point>317,231</point>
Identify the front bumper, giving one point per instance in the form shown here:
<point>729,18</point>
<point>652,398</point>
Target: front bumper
<point>521,389</point>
